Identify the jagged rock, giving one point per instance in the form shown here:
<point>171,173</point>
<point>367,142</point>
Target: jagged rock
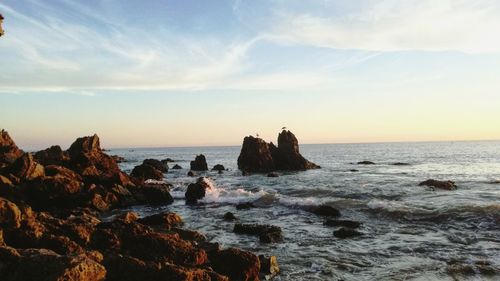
<point>145,172</point>
<point>218,167</point>
<point>447,185</point>
<point>267,233</point>
<point>345,223</point>
<point>9,151</point>
<point>236,264</point>
<point>95,166</point>
<point>10,215</point>
<point>229,216</point>
<point>268,267</point>
<point>366,163</point>
<point>26,168</point>
<point>196,191</point>
<point>258,156</point>
<point>176,167</point>
<point>128,217</point>
<point>325,210</point>
<point>199,163</point>
<point>53,155</point>
<point>46,265</point>
<point>346,232</point>
<point>157,164</point>
<point>165,220</point>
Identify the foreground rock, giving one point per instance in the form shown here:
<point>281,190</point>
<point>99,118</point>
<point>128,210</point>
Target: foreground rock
<point>236,264</point>
<point>199,163</point>
<point>447,185</point>
<point>9,151</point>
<point>267,233</point>
<point>258,156</point>
<point>197,191</point>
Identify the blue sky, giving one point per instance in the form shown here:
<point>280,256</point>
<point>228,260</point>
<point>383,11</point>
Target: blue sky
<point>173,73</point>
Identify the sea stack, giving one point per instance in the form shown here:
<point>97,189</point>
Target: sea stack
<point>259,156</point>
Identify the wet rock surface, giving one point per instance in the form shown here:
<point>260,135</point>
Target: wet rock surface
<point>259,156</point>
<point>446,185</point>
<point>267,233</point>
<point>196,191</point>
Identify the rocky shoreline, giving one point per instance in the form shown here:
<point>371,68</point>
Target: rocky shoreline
<point>50,206</point>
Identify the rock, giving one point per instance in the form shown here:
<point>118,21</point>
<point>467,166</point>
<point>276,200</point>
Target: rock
<point>46,265</point>
<point>258,156</point>
<point>191,174</point>
<point>272,175</point>
<point>236,264</point>
<point>353,170</point>
<point>220,172</point>
<point>53,155</point>
<point>199,163</point>
<point>2,32</point>
<point>128,217</point>
<point>145,172</point>
<point>346,232</point>
<point>325,210</point>
<point>229,216</point>
<point>167,160</point>
<point>10,215</point>
<point>176,167</point>
<point>218,167</point>
<point>244,206</point>
<point>26,168</point>
<point>157,164</point>
<point>196,191</point>
<point>9,152</point>
<point>153,193</point>
<point>165,220</point>
<point>191,235</point>
<point>118,159</point>
<point>401,164</point>
<point>267,233</point>
<point>447,185</point>
<point>366,163</point>
<point>346,223</point>
<point>268,267</point>
<point>95,166</point>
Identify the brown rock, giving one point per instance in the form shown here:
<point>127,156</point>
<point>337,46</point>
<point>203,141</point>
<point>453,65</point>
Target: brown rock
<point>268,267</point>
<point>53,155</point>
<point>26,168</point>
<point>9,151</point>
<point>166,220</point>
<point>236,264</point>
<point>10,215</point>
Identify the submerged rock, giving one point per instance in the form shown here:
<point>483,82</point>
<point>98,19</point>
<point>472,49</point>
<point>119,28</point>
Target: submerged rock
<point>176,167</point>
<point>229,216</point>
<point>401,164</point>
<point>346,232</point>
<point>267,233</point>
<point>366,163</point>
<point>325,210</point>
<point>447,185</point>
<point>258,156</point>
<point>346,223</point>
<point>199,163</point>
<point>244,206</point>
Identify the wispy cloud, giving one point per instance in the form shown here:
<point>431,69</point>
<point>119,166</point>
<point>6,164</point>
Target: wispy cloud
<point>422,25</point>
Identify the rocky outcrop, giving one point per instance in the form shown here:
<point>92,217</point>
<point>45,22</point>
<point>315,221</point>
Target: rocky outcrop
<point>258,156</point>
<point>446,185</point>
<point>25,168</point>
<point>145,172</point>
<point>53,155</point>
<point>157,164</point>
<point>236,264</point>
<point>267,233</point>
<point>196,191</point>
<point>9,151</point>
<point>199,163</point>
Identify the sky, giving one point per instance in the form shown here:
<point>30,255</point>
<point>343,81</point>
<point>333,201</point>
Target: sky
<point>198,73</point>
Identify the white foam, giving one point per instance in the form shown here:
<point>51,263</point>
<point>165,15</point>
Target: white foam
<point>216,194</point>
<point>151,181</point>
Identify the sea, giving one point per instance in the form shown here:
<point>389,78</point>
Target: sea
<point>409,232</point>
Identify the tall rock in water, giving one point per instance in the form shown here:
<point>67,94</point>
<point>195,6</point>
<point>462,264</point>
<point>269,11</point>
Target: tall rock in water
<point>9,152</point>
<point>258,156</point>
<point>199,163</point>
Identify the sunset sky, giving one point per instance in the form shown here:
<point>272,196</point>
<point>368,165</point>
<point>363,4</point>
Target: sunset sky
<point>186,73</point>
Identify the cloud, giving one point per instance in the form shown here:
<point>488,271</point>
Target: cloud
<point>469,26</point>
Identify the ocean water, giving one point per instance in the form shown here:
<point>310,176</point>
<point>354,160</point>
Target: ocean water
<point>410,232</point>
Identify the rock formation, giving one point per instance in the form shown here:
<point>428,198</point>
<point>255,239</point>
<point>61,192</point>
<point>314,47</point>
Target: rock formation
<point>199,163</point>
<point>1,29</point>
<point>196,191</point>
<point>447,185</point>
<point>258,156</point>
